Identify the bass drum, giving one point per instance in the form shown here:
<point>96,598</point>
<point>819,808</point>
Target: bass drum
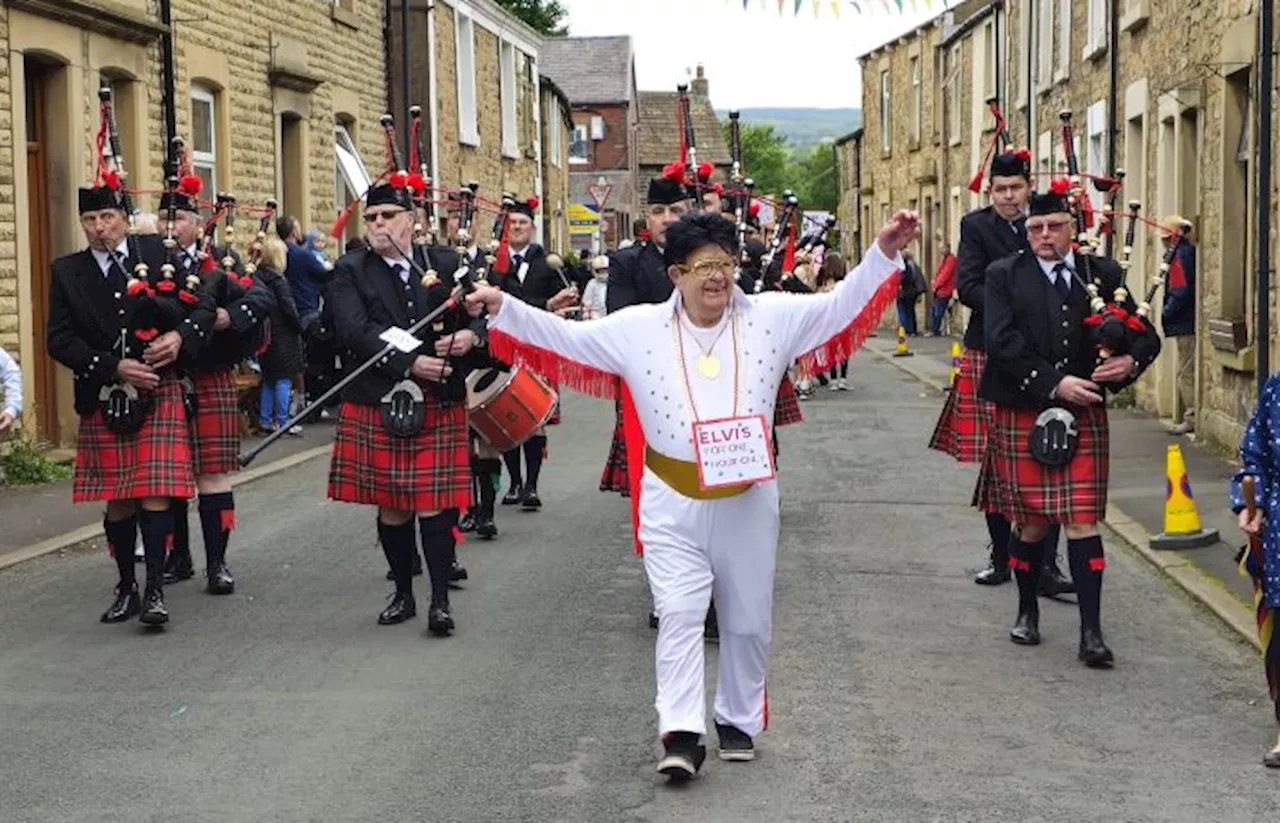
<point>506,408</point>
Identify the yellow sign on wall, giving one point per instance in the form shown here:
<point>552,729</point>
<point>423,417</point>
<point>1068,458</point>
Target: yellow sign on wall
<point>583,219</point>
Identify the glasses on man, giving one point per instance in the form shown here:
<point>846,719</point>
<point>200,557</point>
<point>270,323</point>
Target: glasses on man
<point>706,269</point>
<point>1048,226</point>
<point>375,216</point>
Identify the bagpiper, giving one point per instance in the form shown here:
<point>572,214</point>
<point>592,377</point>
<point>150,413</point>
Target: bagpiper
<point>120,318</point>
<point>986,235</point>
<point>1047,457</point>
<point>243,308</point>
<point>401,441</point>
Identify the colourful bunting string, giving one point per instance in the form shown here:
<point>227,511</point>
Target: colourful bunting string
<point>858,6</point>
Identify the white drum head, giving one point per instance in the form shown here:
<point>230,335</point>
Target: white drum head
<point>478,398</point>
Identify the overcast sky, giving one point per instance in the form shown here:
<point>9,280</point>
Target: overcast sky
<point>753,57</point>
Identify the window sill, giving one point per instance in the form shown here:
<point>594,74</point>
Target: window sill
<point>346,17</point>
<point>913,145</point>
<point>1135,15</point>
<point>1240,361</point>
<point>576,162</point>
<point>472,140</point>
<point>1092,51</point>
<point>1061,78</point>
<point>511,153</point>
<point>955,141</point>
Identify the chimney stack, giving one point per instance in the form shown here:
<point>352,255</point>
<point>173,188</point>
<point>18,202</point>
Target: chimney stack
<point>699,84</point>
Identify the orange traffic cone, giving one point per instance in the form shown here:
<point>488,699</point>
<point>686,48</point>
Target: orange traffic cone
<point>955,367</point>
<point>1182,529</point>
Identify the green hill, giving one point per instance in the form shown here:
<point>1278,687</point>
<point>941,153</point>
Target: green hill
<point>803,128</point>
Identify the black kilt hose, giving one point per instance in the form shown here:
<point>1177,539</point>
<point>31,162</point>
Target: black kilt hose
<point>1028,493</point>
<point>428,472</point>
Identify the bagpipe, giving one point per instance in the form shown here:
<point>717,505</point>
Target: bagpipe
<point>1113,329</point>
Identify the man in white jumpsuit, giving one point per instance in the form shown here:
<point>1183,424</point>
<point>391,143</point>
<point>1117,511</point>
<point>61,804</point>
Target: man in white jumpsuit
<point>704,367</point>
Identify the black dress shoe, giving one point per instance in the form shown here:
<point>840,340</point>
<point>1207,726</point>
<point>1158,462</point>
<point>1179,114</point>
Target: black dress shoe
<point>439,620</point>
<point>1053,583</point>
<point>126,605</point>
<point>653,620</point>
<point>178,567</point>
<point>457,572</point>
<point>993,576</point>
<point>417,568</point>
<point>1093,652</point>
<point>221,581</point>
<point>467,523</point>
<point>154,611</point>
<point>485,528</point>
<point>531,502</point>
<point>1026,630</point>
<point>514,495</point>
<point>401,608</point>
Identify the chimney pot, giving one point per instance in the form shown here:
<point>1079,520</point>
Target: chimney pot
<point>699,86</point>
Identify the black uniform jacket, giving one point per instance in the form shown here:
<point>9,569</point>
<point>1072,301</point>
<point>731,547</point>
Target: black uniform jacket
<point>637,275</point>
<point>985,237</point>
<point>87,312</point>
<point>540,284</point>
<point>1034,339</point>
<point>250,310</point>
<point>368,298</point>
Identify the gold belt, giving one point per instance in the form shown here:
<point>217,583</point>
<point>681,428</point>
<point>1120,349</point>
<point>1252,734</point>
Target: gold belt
<point>682,475</point>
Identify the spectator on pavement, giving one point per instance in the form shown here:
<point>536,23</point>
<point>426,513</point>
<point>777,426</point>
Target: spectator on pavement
<point>593,296</point>
<point>307,278</point>
<point>944,287</point>
<point>910,287</point>
<point>283,357</point>
<point>11,400</point>
<point>1178,317</point>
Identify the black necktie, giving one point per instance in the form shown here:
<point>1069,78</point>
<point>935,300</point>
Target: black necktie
<point>1062,281</point>
<point>115,273</point>
<point>516,261</point>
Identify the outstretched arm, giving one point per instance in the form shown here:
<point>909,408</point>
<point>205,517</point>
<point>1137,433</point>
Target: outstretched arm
<point>600,345</point>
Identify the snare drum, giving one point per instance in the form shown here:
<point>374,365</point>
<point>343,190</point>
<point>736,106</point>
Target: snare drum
<point>507,408</point>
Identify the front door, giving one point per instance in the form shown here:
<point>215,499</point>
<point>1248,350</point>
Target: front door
<point>44,405</point>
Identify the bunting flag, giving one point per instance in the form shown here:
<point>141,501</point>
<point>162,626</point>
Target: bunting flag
<point>858,6</point>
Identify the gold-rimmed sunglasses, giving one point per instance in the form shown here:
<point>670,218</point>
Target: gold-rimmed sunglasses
<point>707,269</point>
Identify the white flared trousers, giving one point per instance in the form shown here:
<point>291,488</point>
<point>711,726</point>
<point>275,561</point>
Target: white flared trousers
<point>694,549</point>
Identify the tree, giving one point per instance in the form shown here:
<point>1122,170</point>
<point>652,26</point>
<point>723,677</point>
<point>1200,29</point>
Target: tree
<point>764,156</point>
<point>544,16</point>
<point>815,180</point>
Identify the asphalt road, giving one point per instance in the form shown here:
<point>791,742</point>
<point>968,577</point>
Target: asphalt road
<point>895,694</point>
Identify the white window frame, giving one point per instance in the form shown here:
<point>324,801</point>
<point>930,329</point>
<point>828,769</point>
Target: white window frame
<point>1046,152</point>
<point>350,168</point>
<point>1096,148</point>
<point>1024,65</point>
<point>465,64</point>
<point>507,100</point>
<point>988,61</point>
<point>917,99</point>
<point>1062,55</point>
<point>585,130</point>
<point>1044,44</point>
<point>886,113</point>
<point>1096,25</point>
<point>555,124</point>
<point>206,160</point>
<point>953,95</point>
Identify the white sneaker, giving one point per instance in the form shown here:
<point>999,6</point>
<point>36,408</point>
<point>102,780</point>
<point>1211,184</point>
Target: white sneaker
<point>834,385</point>
<point>296,431</point>
<point>843,384</point>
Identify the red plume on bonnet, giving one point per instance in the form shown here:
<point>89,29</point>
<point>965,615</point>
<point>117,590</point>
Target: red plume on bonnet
<point>704,171</point>
<point>1060,186</point>
<point>674,171</point>
<point>190,185</point>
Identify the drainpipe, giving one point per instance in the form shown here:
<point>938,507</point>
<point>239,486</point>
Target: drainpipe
<point>168,82</point>
<point>1032,95</point>
<point>1262,109</point>
<point>1113,105</point>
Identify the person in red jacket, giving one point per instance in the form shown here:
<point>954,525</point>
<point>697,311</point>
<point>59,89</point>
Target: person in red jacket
<point>944,287</point>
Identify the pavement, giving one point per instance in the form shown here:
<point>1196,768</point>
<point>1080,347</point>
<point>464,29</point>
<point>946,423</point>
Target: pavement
<point>894,692</point>
<point>1139,449</point>
<point>42,519</point>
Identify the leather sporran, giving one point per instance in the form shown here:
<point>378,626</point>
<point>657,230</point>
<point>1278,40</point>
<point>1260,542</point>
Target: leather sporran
<point>1054,437</point>
<point>124,408</point>
<point>404,409</point>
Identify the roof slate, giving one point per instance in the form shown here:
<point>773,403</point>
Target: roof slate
<point>589,69</point>
<point>659,136</point>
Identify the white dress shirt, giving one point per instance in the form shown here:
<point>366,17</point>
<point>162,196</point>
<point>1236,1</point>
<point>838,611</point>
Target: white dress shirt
<point>104,259</point>
<point>11,377</point>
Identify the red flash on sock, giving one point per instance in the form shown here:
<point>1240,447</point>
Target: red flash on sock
<point>228,517</point>
<point>1018,564</point>
<point>457,535</point>
<point>1097,564</point>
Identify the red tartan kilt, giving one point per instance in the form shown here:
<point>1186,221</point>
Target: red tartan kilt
<point>1024,491</point>
<point>216,430</point>
<point>430,472</point>
<point>615,478</point>
<point>154,462</point>
<point>962,427</point>
<point>786,409</point>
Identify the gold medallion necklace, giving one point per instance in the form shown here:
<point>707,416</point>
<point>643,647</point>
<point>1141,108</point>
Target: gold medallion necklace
<point>708,364</point>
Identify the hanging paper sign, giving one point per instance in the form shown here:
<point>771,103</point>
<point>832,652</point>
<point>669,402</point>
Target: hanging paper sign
<point>733,451</point>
